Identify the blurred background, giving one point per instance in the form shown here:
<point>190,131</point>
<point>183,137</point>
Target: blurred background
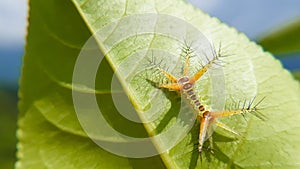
<point>273,23</point>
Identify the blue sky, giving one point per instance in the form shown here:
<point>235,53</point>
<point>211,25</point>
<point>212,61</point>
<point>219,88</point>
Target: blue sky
<point>254,18</point>
<point>12,36</point>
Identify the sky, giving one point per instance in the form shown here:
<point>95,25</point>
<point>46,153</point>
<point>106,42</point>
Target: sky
<point>12,38</point>
<point>12,22</point>
<point>254,18</point>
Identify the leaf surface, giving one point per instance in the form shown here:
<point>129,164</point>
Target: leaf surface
<point>51,136</point>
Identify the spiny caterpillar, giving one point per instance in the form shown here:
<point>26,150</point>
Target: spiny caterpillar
<point>185,85</point>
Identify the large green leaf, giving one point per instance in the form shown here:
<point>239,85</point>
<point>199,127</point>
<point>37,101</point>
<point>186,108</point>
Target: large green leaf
<point>285,39</point>
<point>50,135</point>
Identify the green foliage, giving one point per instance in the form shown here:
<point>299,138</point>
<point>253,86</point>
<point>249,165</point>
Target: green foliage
<point>297,74</point>
<point>50,135</point>
<point>283,40</point>
<point>8,118</point>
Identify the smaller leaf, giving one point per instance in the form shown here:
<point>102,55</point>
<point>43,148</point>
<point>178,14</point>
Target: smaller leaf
<point>297,74</point>
<point>283,40</point>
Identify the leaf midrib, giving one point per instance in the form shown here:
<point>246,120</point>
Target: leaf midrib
<point>167,161</point>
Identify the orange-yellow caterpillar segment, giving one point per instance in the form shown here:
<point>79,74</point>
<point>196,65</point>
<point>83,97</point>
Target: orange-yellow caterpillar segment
<point>203,70</point>
<point>172,86</point>
<point>199,74</point>
<point>231,112</point>
<point>205,121</point>
<point>168,76</point>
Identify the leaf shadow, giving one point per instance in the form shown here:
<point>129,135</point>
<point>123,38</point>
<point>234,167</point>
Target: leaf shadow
<point>175,100</point>
<point>208,152</point>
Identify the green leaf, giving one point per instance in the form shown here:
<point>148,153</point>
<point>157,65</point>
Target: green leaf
<point>8,118</point>
<point>285,39</point>
<point>51,136</point>
<point>296,74</point>
<point>54,40</point>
